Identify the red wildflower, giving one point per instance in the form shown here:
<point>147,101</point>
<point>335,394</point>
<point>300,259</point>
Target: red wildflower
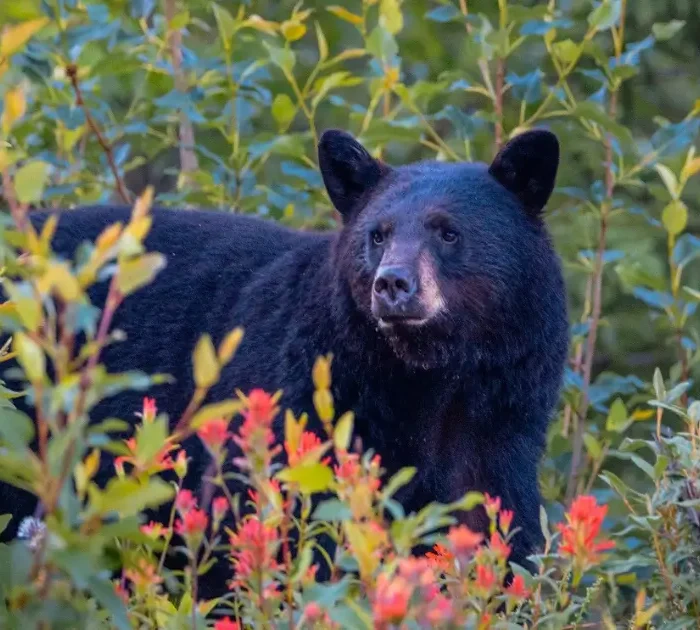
<point>214,434</point>
<point>143,576</point>
<point>463,539</point>
<point>154,530</point>
<point>439,610</point>
<point>484,622</point>
<point>219,507</point>
<point>517,589</point>
<point>161,460</point>
<point>505,519</point>
<point>226,624</point>
<point>193,523</point>
<point>492,505</point>
<point>185,501</point>
<point>308,442</point>
<point>499,546</point>
<point>440,557</point>
<point>261,407</point>
<point>149,409</point>
<point>391,599</point>
<point>254,549</point>
<point>580,535</point>
<point>485,579</point>
<point>122,592</point>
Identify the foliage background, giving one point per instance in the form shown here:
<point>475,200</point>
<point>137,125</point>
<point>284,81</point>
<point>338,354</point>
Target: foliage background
<point>104,92</point>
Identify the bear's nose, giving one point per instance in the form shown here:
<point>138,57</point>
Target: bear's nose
<point>395,285</point>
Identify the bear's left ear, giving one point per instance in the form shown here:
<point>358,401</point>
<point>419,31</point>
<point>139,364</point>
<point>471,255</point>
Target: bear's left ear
<point>527,166</point>
<point>349,171</point>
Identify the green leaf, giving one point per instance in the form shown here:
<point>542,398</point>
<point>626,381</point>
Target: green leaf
<point>128,497</point>
<point>16,429</point>
<point>150,439</point>
<point>30,356</point>
<point>615,483</point>
<point>103,591</point>
<point>675,217</point>
<point>30,181</point>
<point>445,13</point>
<point>282,57</point>
<point>136,273</point>
<point>617,420</point>
<point>332,510</point>
<point>664,31</point>
<point>283,110</point>
<point>567,50</point>
<point>605,15</point>
<point>544,524</point>
<point>400,479</point>
<point>390,16</point>
<point>343,432</point>
<point>206,365</point>
<point>669,178</point>
<point>4,521</point>
<point>322,43</point>
<point>595,450</point>
<point>309,479</point>
<point>226,25</point>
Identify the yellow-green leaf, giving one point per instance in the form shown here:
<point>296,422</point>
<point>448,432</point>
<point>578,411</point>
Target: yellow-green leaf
<point>668,178</point>
<point>30,356</point>
<point>223,409</point>
<point>30,181</point>
<point>228,347</point>
<point>675,217</point>
<point>617,417</point>
<point>206,365</point>
<point>308,479</point>
<point>292,30</point>
<point>390,16</point>
<point>691,168</point>
<point>346,15</point>
<point>138,272</point>
<point>595,450</point>
<point>322,43</point>
<point>343,431</point>
<point>226,25</point>
<point>15,105</point>
<point>321,373</point>
<point>283,110</point>
<point>14,37</point>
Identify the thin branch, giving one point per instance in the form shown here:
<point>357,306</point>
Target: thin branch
<point>72,73</point>
<point>188,157</point>
<point>597,289</point>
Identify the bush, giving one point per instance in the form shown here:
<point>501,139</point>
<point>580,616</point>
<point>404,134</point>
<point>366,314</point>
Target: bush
<point>220,108</point>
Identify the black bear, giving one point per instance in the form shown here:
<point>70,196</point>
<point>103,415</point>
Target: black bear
<point>441,300</point>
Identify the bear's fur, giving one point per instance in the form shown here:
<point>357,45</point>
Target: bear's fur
<point>463,391</point>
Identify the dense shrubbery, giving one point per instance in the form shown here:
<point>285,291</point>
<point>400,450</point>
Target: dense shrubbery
<point>96,94</point>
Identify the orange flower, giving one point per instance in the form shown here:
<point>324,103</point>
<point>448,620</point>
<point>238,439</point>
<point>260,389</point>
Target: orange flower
<point>185,501</point>
<point>154,530</point>
<point>219,507</point>
<point>149,409</point>
<point>214,434</point>
<point>499,546</point>
<point>143,576</point>
<point>307,443</point>
<point>160,462</point>
<point>580,534</point>
<point>517,589</point>
<point>484,622</point>
<point>505,519</point>
<point>440,558</point>
<point>227,624</point>
<point>492,505</point>
<point>255,434</point>
<point>463,539</point>
<point>254,549</point>
<point>485,579</point>
<point>391,599</point>
<point>193,523</point>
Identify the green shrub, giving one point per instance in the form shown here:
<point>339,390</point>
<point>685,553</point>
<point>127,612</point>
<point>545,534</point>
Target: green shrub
<point>216,106</point>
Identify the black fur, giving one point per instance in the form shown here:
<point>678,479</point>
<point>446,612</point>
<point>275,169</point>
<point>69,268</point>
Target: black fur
<point>466,398</point>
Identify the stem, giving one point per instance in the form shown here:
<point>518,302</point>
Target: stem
<point>597,288</point>
<point>72,73</point>
<point>483,65</point>
<point>188,158</point>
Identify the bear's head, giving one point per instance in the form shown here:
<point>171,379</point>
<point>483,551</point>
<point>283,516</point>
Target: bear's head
<point>438,256</point>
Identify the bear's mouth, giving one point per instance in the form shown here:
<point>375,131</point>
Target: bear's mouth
<point>393,321</point>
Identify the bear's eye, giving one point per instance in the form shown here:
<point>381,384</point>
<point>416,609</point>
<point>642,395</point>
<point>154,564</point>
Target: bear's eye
<point>377,237</point>
<point>449,236</point>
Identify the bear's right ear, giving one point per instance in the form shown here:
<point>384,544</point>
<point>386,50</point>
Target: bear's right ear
<point>348,170</point>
